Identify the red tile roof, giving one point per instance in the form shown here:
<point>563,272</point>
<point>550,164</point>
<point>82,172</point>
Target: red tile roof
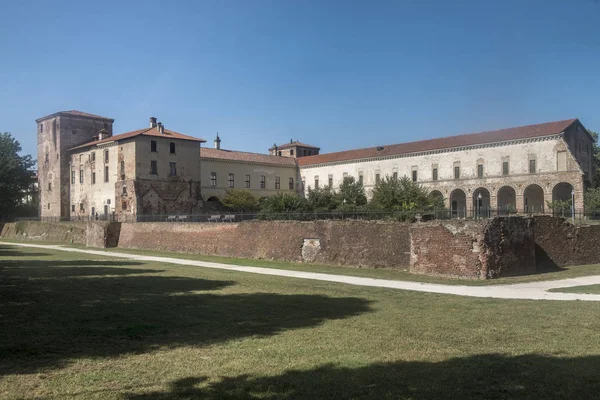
<point>142,132</point>
<point>296,143</point>
<point>231,155</point>
<point>521,132</point>
<point>76,113</point>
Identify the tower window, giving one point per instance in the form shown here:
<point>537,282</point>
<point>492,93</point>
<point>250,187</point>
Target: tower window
<point>41,127</point>
<point>153,146</point>
<point>106,174</point>
<point>172,148</point>
<point>291,152</point>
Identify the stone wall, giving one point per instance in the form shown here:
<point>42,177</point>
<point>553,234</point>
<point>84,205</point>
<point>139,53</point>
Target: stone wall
<point>352,243</point>
<point>484,249</point>
<point>559,243</point>
<point>92,234</point>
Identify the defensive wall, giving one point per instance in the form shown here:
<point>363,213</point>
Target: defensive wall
<point>474,249</point>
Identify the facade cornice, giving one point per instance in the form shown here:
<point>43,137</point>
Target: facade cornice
<point>439,151</point>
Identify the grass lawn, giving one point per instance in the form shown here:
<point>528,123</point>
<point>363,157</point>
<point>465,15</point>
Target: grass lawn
<point>587,289</point>
<point>77,326</point>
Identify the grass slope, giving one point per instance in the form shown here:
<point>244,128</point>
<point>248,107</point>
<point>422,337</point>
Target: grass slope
<point>85,327</point>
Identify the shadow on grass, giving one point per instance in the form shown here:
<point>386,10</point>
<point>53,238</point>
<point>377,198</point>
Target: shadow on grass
<point>6,251</point>
<point>90,312</point>
<point>488,376</point>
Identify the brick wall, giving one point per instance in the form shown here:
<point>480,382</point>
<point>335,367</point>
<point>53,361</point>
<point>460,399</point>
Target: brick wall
<point>559,243</point>
<point>352,243</point>
<point>473,249</point>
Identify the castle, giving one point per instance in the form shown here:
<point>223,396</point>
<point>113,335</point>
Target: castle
<point>85,170</point>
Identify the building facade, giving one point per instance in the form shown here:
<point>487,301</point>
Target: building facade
<point>520,168</point>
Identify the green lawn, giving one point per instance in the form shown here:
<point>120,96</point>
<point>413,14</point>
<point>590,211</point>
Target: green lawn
<point>587,289</point>
<point>84,327</point>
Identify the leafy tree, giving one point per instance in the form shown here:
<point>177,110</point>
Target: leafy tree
<point>283,203</point>
<point>401,194</point>
<point>240,200</point>
<point>16,174</point>
<point>596,159</point>
<point>322,199</point>
<point>352,193</point>
<point>560,206</point>
<point>591,200</point>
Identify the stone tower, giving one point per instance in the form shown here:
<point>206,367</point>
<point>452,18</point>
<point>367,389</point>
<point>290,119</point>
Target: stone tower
<point>57,133</point>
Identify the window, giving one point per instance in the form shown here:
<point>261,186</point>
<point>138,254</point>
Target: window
<point>172,169</point>
<point>81,174</point>
<point>124,206</point>
<point>291,152</point>
<point>47,157</point>
<point>49,186</point>
<point>303,182</point>
<point>456,172</point>
<point>213,179</point>
<point>93,156</point>
<point>105,156</point>
<point>42,130</point>
<point>153,146</point>
<point>279,153</point>
<point>434,174</point>
<point>532,166</point>
<point>310,152</point>
<point>72,207</point>
<point>395,175</point>
<point>263,181</point>
<point>230,182</point>
<point>172,148</point>
<point>291,184</point>
<point>72,176</point>
<point>330,181</point>
<point>377,178</point>
<point>122,170</point>
<point>480,170</point>
<point>80,157</point>
<point>106,174</point>
<point>124,190</point>
<point>247,181</point>
<point>153,167</point>
<point>360,179</point>
<point>504,167</point>
<point>48,206</point>
<point>414,176</point>
<point>304,152</point>
<point>316,182</point>
<point>277,183</point>
<point>93,178</point>
<point>81,207</point>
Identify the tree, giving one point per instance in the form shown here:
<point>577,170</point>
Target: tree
<point>401,194</point>
<point>592,200</point>
<point>16,175</point>
<point>283,203</point>
<point>322,199</point>
<point>352,193</point>
<point>240,200</point>
<point>596,159</point>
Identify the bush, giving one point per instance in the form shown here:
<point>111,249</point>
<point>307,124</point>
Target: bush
<point>240,200</point>
<point>283,206</point>
<point>402,195</point>
<point>322,199</point>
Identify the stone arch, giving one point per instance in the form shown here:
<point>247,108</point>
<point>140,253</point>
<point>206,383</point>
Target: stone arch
<point>562,192</point>
<point>533,199</point>
<point>458,203</point>
<point>437,194</point>
<point>481,201</point>
<point>507,199</point>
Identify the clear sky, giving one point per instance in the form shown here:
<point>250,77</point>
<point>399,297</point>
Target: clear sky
<point>335,74</point>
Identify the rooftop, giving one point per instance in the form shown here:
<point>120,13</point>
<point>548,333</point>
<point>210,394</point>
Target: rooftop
<point>231,155</point>
<point>294,144</point>
<point>74,113</point>
<point>501,135</point>
<point>142,132</point>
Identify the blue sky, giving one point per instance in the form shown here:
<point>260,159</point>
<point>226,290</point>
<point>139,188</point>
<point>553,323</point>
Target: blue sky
<point>336,74</point>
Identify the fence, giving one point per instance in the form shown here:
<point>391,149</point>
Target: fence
<point>411,216</point>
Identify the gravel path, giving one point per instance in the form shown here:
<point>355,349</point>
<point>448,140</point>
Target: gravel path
<point>531,291</point>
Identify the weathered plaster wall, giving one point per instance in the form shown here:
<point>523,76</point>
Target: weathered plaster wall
<point>473,249</point>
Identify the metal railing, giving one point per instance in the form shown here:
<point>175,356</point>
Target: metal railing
<point>408,216</point>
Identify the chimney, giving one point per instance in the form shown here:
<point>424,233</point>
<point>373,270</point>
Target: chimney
<point>218,142</point>
<point>291,141</point>
<point>160,128</point>
<point>103,134</point>
<point>152,122</point>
